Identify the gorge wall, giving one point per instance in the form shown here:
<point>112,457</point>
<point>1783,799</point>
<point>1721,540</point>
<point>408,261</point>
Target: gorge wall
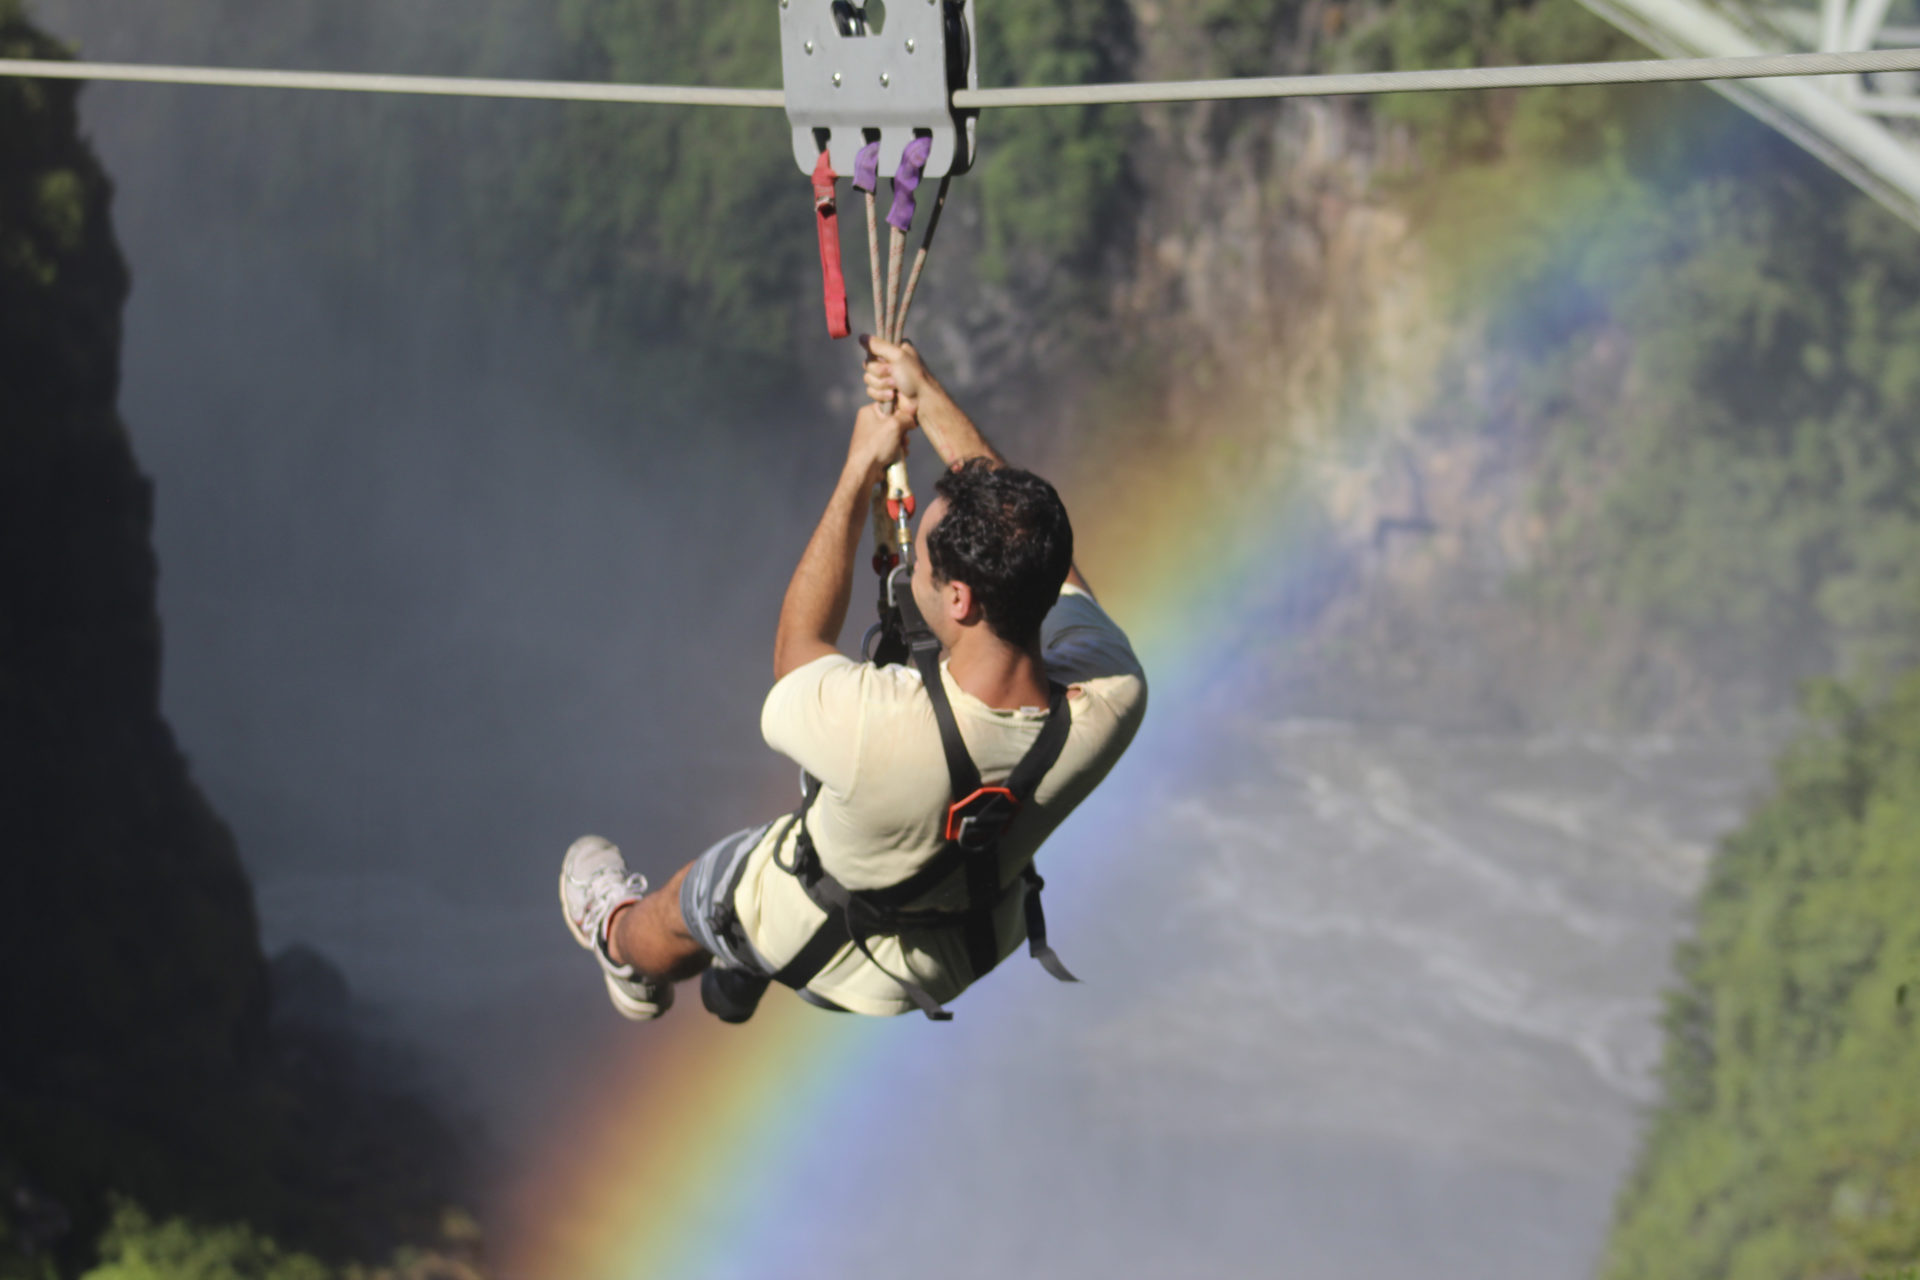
<point>1573,393</point>
<point>122,901</point>
<point>143,1050</point>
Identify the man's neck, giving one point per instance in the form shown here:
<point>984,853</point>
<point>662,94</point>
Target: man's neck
<point>1003,676</point>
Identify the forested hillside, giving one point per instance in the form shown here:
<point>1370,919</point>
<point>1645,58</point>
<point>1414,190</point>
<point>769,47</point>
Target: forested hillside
<point>1709,344</point>
<point>700,224</point>
<point>1597,404</point>
<point>1788,1145</point>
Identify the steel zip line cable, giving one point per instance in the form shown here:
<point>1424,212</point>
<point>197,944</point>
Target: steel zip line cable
<point>1651,71</point>
<point>434,86</point>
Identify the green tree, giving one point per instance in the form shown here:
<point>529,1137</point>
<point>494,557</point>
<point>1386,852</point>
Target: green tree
<point>696,223</point>
<point>1788,1144</point>
<point>135,1247</point>
<point>1710,343</point>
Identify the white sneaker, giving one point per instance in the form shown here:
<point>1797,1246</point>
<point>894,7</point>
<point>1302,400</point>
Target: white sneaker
<point>593,881</point>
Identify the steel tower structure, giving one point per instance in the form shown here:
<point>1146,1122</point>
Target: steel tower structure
<point>1865,126</point>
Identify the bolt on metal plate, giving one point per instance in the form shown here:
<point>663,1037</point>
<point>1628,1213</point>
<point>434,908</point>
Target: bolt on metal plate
<point>856,71</point>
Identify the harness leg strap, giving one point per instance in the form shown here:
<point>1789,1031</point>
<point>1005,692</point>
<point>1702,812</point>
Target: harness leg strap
<point>1037,930</point>
<point>971,848</point>
<point>922,999</point>
<point>837,930</point>
<point>822,947</point>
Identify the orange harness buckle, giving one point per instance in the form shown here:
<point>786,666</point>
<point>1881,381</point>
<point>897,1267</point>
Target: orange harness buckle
<point>976,822</point>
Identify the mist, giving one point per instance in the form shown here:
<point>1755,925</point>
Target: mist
<point>445,586</point>
<point>440,593</point>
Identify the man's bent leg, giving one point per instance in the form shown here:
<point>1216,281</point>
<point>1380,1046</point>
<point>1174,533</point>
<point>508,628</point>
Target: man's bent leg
<point>733,984</point>
<point>646,942</point>
<point>652,935</point>
<point>595,884</point>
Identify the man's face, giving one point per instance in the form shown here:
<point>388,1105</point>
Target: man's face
<point>925,593</point>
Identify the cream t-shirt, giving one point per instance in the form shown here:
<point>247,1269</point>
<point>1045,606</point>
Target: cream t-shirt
<point>869,735</point>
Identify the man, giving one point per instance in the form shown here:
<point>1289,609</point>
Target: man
<point>993,578</point>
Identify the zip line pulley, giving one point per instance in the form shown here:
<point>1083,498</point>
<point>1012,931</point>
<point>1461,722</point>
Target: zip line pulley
<point>855,75</point>
<point>869,89</point>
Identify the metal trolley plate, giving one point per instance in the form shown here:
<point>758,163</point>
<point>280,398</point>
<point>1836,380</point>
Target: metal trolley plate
<point>882,69</point>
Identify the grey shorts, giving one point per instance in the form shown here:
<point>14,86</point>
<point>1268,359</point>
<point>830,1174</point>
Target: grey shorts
<point>706,901</point>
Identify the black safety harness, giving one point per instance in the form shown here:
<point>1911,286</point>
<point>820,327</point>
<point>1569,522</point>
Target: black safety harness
<point>976,821</point>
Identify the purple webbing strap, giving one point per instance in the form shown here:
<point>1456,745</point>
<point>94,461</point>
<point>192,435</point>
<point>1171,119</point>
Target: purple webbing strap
<point>912,161</point>
<point>866,167</point>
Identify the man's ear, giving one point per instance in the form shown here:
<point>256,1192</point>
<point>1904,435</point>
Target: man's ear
<point>958,597</point>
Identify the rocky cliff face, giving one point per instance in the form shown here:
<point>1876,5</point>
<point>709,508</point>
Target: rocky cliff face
<point>126,924</point>
<point>1307,324</point>
<point>136,1051</point>
<point>1275,300</point>
<point>1287,310</point>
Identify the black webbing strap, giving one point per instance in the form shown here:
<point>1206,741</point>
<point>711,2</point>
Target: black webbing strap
<point>982,862</point>
<point>822,947</point>
<point>963,777</point>
<point>924,650</point>
<point>854,916</point>
<point>852,919</point>
<point>849,920</point>
<point>1037,929</point>
<point>830,936</point>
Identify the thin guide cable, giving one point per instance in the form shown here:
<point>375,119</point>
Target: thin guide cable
<point>1650,71</point>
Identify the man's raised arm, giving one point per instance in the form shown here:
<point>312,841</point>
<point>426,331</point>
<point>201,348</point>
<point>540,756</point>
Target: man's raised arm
<point>822,583</point>
<point>896,369</point>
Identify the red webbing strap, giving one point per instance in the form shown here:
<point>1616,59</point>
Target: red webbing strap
<point>833,283</point>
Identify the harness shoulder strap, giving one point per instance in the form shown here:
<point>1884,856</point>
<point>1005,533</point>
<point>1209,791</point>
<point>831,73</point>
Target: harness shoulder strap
<point>972,842</point>
<point>981,857</point>
<point>850,919</point>
<point>924,650</point>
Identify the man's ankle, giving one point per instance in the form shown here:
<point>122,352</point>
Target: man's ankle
<point>614,952</point>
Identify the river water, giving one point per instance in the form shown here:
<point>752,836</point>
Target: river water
<point>1390,1008</point>
<point>1376,1001</point>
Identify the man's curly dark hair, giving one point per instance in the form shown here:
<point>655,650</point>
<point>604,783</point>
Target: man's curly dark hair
<point>1007,536</point>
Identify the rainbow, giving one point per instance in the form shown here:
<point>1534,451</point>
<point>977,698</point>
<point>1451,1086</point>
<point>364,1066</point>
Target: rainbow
<point>680,1159</point>
<point>683,1159</point>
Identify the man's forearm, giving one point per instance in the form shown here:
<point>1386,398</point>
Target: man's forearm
<point>956,438</point>
<point>822,585</point>
<point>947,426</point>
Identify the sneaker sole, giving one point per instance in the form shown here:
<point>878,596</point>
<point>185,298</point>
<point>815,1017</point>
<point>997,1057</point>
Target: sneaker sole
<point>631,1007</point>
<point>625,1003</point>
